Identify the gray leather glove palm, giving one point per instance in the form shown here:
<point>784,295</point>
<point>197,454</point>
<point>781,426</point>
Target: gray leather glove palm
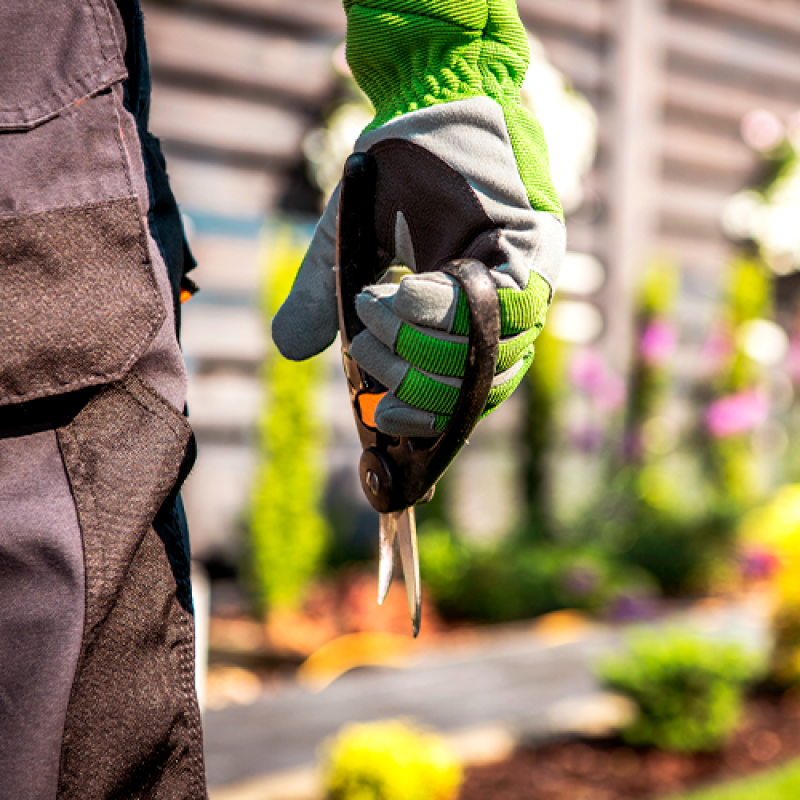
<point>463,177</point>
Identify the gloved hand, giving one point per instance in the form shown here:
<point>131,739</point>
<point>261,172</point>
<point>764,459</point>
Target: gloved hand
<point>462,173</point>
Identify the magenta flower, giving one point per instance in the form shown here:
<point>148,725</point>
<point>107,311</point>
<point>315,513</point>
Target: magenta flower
<point>658,342</point>
<point>737,413</point>
<point>758,563</point>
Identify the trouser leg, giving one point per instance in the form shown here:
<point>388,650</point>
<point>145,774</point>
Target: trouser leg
<point>42,598</point>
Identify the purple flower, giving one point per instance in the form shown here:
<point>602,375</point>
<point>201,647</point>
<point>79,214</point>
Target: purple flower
<point>588,439</point>
<point>581,579</point>
<point>631,605</point>
<point>737,413</point>
<point>658,342</point>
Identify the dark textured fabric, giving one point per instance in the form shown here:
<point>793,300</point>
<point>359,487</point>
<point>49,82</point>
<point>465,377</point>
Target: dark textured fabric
<point>133,727</point>
<point>42,603</point>
<point>53,54</point>
<point>80,303</point>
<point>166,226</point>
<point>82,213</point>
<point>163,215</point>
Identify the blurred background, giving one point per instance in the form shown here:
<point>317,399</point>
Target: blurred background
<point>650,458</point>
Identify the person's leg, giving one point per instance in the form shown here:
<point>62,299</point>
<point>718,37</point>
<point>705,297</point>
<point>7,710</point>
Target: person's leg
<point>42,600</point>
<point>95,617</point>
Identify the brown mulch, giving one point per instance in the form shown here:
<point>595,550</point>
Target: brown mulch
<point>608,769</point>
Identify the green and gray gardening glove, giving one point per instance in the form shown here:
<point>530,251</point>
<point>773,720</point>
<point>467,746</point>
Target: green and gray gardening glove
<point>461,173</point>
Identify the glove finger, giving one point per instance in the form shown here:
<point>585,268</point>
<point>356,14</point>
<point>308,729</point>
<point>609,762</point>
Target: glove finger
<point>427,350</point>
<point>397,418</point>
<point>307,322</point>
<point>378,360</point>
<point>416,388</point>
<point>436,394</point>
<point>429,300</point>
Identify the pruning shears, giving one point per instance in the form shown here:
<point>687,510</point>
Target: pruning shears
<point>398,472</point>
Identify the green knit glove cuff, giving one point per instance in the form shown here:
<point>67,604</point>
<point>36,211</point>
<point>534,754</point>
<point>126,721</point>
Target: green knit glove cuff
<point>412,54</point>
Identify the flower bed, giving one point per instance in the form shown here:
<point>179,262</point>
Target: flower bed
<point>607,769</point>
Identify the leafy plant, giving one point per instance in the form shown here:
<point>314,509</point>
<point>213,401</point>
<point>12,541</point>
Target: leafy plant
<point>388,760</point>
<point>688,691</point>
<point>287,533</point>
<point>518,579</point>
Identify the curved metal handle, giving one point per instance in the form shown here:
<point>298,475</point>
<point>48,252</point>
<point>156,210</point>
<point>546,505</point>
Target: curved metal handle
<point>482,350</point>
<point>399,472</point>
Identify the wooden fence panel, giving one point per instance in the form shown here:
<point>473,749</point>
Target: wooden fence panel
<point>239,83</point>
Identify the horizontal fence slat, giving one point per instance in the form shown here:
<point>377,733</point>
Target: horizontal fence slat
<point>709,256</point>
<point>584,68</point>
<point>698,204</point>
<point>690,146</point>
<point>760,57</point>
<point>209,50</point>
<point>316,15</point>
<point>224,124</point>
<point>584,16</point>
<point>779,18</point>
<point>221,189</point>
<point>728,102</point>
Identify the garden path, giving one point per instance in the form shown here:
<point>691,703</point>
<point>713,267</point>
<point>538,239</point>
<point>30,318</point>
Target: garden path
<point>518,682</point>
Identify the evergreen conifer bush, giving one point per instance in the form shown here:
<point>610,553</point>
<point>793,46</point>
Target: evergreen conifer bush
<point>287,532</point>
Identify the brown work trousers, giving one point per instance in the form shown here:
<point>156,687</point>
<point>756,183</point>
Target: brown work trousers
<point>97,695</point>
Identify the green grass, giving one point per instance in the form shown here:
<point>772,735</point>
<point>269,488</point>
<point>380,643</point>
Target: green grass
<point>779,784</point>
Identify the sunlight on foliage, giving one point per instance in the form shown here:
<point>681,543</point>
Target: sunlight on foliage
<point>687,690</point>
<point>287,532</point>
<point>389,760</point>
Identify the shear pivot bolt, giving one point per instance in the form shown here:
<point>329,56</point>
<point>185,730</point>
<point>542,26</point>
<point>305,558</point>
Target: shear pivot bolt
<point>374,482</point>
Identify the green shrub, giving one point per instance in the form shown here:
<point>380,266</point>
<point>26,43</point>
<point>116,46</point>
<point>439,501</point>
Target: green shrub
<point>518,579</point>
<point>287,533</point>
<point>688,691</point>
<point>388,760</point>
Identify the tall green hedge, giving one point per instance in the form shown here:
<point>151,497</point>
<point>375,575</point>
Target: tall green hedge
<point>287,532</point>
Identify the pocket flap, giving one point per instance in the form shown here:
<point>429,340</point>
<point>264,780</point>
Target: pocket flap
<point>53,54</point>
<point>78,298</point>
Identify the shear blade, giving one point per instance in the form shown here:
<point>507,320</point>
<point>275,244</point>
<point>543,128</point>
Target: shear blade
<point>407,544</point>
<point>398,532</point>
<point>388,554</point>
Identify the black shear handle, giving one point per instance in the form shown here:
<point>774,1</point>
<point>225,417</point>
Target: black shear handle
<point>399,472</point>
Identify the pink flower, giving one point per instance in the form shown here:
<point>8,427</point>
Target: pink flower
<point>758,563</point>
<point>658,342</point>
<point>587,371</point>
<point>737,413</point>
<point>718,348</point>
<point>792,363</point>
<point>612,396</point>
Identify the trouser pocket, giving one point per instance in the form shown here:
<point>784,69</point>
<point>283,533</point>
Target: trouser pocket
<point>133,726</point>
